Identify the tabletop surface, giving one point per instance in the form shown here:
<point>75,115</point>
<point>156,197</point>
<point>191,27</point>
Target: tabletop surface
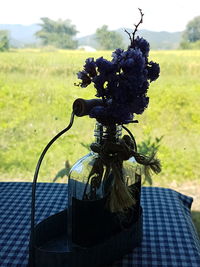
<point>169,236</point>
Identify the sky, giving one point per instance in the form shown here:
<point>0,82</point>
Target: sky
<point>88,15</point>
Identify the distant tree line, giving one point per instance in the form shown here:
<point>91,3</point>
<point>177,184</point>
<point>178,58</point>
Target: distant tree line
<point>61,34</point>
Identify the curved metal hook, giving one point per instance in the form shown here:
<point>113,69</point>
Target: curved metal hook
<point>37,172</point>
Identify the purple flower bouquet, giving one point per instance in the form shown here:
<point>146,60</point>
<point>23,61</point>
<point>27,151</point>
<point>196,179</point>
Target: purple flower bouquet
<point>122,83</point>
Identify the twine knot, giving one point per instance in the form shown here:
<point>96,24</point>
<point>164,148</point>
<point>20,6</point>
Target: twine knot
<point>112,156</point>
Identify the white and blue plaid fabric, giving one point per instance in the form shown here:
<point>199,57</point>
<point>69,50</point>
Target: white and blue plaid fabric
<point>169,237</point>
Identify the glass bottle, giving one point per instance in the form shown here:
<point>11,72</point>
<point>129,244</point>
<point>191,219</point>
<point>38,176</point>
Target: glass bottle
<point>89,187</point>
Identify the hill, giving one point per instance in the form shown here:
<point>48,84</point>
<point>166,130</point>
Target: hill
<point>158,40</point>
<point>22,35</point>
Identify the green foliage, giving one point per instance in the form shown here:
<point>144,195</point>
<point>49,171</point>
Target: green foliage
<point>185,45</point>
<point>57,33</point>
<point>108,40</point>
<point>4,41</point>
<point>192,32</point>
<point>149,146</point>
<point>190,45</point>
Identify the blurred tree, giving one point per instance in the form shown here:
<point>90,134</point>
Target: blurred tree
<point>58,33</point>
<point>108,40</point>
<point>191,35</point>
<point>192,31</point>
<point>4,40</point>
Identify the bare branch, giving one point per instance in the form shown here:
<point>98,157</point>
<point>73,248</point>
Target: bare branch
<point>132,38</point>
<point>128,35</point>
<point>137,25</point>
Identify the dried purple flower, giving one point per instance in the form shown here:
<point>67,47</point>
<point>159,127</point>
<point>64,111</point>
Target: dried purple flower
<point>143,45</point>
<point>83,75</point>
<point>123,82</point>
<point>153,71</point>
<point>90,67</point>
<point>105,66</point>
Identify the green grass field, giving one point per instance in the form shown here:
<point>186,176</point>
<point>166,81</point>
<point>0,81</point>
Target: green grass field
<point>37,92</point>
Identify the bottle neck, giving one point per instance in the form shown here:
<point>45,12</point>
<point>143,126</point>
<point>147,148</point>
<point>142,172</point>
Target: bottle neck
<point>110,133</point>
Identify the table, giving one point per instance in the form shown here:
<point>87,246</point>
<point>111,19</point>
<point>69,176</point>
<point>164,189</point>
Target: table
<point>170,238</point>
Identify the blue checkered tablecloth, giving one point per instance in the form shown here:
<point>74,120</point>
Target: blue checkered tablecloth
<point>170,238</point>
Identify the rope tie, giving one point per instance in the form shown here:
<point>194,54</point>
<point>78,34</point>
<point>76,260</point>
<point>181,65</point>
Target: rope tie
<point>112,156</point>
